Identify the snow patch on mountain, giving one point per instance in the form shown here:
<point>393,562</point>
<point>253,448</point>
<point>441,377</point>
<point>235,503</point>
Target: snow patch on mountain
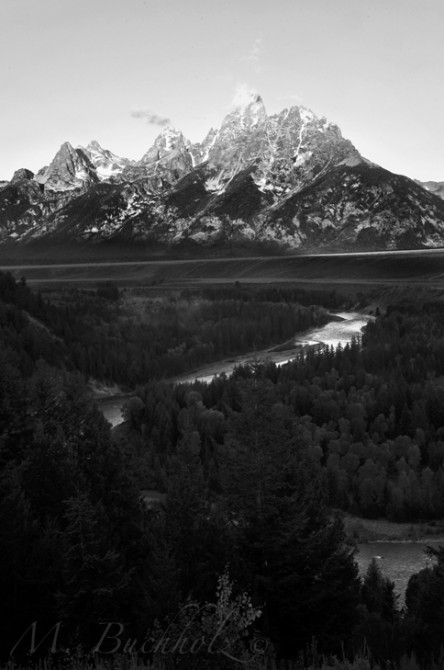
<point>215,184</point>
<point>171,137</point>
<point>106,163</point>
<point>351,161</point>
<point>289,179</point>
<point>306,115</point>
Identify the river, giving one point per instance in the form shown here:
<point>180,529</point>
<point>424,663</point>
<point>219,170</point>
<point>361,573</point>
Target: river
<point>333,333</point>
<point>398,560</point>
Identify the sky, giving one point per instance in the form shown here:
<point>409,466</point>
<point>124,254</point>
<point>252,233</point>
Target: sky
<point>118,71</point>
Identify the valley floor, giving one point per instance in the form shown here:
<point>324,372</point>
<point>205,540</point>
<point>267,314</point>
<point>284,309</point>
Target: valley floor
<point>355,272</point>
<point>382,530</point>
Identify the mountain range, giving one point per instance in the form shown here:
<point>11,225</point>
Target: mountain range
<point>287,182</point>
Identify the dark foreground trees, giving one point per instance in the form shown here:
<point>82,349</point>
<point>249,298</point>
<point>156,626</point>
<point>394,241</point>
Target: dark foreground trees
<point>71,525</point>
<point>290,549</point>
<point>425,607</point>
<point>243,471</point>
<point>380,627</point>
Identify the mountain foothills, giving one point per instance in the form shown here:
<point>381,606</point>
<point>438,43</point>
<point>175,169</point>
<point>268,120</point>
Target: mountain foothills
<point>289,181</point>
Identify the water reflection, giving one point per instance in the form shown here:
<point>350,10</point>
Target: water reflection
<point>332,334</point>
<point>398,560</point>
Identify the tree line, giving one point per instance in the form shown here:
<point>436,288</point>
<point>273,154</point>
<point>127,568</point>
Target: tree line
<point>109,336</point>
<point>371,415</point>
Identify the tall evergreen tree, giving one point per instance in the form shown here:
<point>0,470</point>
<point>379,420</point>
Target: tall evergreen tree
<point>379,629</point>
<point>292,554</point>
<point>425,606</point>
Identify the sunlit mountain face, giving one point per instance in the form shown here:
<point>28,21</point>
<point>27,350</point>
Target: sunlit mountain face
<point>286,182</point>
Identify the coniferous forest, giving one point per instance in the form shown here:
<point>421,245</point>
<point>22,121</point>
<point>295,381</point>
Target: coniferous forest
<point>206,530</point>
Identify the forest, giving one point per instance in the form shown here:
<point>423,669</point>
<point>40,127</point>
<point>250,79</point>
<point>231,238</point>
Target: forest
<point>128,339</point>
<point>212,518</point>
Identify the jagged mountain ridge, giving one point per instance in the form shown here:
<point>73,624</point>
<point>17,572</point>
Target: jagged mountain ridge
<point>70,169</point>
<point>288,181</point>
<point>105,162</point>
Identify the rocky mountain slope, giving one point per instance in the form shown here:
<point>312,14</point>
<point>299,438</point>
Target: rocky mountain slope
<point>288,181</point>
<point>436,187</point>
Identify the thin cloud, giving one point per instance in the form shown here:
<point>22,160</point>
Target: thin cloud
<point>253,55</point>
<point>150,117</point>
<point>243,95</point>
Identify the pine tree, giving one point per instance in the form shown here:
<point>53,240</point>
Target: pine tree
<point>425,606</point>
<point>291,550</point>
<point>195,533</point>
<point>94,577</point>
<point>379,629</point>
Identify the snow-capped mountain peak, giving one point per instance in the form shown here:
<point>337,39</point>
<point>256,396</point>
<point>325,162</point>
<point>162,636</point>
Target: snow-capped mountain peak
<point>170,138</point>
<point>94,146</point>
<point>167,141</point>
<point>106,163</point>
<point>249,110</point>
<point>70,169</point>
<point>288,180</point>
